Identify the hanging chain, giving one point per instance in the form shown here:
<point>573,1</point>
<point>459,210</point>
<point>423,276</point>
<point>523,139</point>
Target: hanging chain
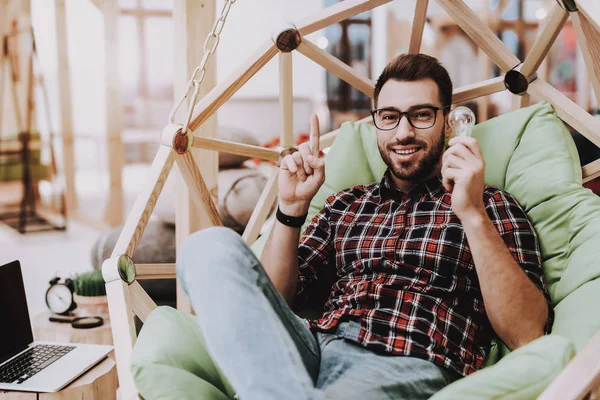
<point>210,46</point>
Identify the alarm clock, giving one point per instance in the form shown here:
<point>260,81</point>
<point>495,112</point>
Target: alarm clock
<point>59,296</point>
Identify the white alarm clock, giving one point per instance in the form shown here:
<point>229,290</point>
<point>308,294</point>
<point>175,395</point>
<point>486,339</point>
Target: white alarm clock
<point>59,296</point>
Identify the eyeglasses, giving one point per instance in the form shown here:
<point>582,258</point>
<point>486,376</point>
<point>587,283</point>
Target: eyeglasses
<point>423,117</point>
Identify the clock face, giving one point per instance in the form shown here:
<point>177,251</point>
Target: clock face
<point>59,298</point>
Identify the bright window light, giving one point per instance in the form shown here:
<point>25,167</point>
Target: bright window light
<point>322,42</point>
<point>541,13</point>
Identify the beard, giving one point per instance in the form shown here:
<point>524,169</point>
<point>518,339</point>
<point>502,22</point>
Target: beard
<point>414,171</point>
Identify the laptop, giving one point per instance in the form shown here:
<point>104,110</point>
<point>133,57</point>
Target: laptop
<point>35,366</point>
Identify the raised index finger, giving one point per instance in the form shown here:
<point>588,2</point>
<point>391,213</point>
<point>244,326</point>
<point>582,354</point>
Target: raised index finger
<point>315,135</point>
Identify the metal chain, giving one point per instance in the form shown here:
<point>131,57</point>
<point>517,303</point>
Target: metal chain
<point>210,46</point>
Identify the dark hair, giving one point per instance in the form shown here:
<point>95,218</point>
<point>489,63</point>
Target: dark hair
<point>414,67</point>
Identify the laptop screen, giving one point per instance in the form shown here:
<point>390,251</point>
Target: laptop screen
<point>15,334</point>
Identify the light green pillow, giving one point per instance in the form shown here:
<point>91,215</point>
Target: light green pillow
<point>521,375</point>
<point>170,360</point>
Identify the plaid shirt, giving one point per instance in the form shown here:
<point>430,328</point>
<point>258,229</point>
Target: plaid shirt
<point>400,264</point>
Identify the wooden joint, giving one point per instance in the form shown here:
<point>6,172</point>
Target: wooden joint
<point>119,268</point>
<point>516,82</point>
<point>569,5</point>
<point>287,38</point>
<point>172,136</point>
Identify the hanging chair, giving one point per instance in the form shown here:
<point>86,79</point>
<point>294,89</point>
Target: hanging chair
<point>528,152</point>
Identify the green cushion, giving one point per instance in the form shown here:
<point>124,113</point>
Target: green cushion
<point>14,172</point>
<point>530,154</point>
<point>11,168</point>
<point>170,360</point>
<point>523,374</point>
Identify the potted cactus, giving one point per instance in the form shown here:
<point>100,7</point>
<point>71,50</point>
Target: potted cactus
<point>90,293</point>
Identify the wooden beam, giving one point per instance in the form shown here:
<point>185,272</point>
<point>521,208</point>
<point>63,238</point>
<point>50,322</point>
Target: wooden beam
<point>155,271</point>
<point>581,375</point>
<point>502,4</point>
<point>483,36</point>
<point>144,203</point>
<point>418,25</point>
<point>591,10</point>
<point>192,22</point>
<point>327,139</point>
<point>262,209</point>
<point>197,187</point>
<point>588,38</point>
<point>64,104</point>
<point>286,99</point>
<point>123,333</point>
<point>591,171</point>
<point>336,13</point>
<point>521,101</point>
<point>241,149</point>
<point>470,92</point>
<point>570,112</point>
<point>114,213</point>
<point>545,39</point>
<point>223,92</point>
<point>485,67</point>
<point>141,304</point>
<point>337,67</point>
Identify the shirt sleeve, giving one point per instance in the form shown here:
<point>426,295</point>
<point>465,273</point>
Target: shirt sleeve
<point>316,265</point>
<point>522,241</point>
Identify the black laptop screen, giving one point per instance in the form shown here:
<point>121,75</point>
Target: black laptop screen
<point>15,329</point>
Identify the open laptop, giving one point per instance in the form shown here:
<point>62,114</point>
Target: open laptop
<point>35,366</point>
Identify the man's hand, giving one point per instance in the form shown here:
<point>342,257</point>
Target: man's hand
<point>463,170</point>
<point>301,174</point>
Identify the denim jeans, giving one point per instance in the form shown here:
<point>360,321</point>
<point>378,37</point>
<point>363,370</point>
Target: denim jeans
<point>267,352</point>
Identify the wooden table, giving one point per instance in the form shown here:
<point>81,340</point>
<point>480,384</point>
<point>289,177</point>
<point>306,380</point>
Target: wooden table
<point>62,332</point>
<point>99,383</point>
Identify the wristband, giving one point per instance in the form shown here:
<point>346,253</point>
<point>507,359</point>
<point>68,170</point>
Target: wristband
<point>287,220</point>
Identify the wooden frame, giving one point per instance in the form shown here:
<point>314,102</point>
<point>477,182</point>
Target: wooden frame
<point>546,38</point>
<point>418,25</point>
<point>337,67</point>
<point>589,41</point>
<point>582,374</point>
<point>64,96</point>
<point>114,212</point>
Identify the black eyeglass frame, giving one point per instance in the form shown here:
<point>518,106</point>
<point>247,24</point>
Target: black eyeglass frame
<point>405,113</point>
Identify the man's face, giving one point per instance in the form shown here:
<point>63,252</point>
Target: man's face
<point>421,148</point>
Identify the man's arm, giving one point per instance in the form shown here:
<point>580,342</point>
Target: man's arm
<point>280,258</point>
<point>515,307</point>
<point>517,310</point>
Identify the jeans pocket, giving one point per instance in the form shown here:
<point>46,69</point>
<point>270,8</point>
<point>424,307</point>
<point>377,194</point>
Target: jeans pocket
<point>325,338</point>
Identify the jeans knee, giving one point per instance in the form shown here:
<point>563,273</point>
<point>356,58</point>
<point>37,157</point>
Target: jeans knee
<point>211,248</point>
<point>211,240</point>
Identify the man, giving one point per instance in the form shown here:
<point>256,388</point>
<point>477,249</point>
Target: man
<point>414,273</point>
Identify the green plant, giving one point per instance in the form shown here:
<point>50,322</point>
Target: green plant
<point>90,284</point>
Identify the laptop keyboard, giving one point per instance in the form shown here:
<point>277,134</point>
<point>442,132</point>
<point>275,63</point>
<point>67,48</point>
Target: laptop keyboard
<point>32,361</point>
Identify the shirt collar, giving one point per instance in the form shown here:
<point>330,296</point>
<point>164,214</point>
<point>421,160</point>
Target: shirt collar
<point>432,187</point>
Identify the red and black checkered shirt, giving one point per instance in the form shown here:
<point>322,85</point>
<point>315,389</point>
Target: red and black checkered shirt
<point>400,264</point>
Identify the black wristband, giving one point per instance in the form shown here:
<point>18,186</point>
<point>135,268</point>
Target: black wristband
<point>287,220</point>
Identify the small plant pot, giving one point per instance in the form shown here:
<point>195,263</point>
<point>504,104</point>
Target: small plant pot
<point>92,305</point>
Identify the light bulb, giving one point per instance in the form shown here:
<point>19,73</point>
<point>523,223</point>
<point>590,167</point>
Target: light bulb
<point>461,121</point>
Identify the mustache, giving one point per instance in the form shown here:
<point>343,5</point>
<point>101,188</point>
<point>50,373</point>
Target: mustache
<point>408,142</point>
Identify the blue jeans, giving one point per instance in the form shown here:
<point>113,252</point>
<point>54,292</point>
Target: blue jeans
<point>267,352</point>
